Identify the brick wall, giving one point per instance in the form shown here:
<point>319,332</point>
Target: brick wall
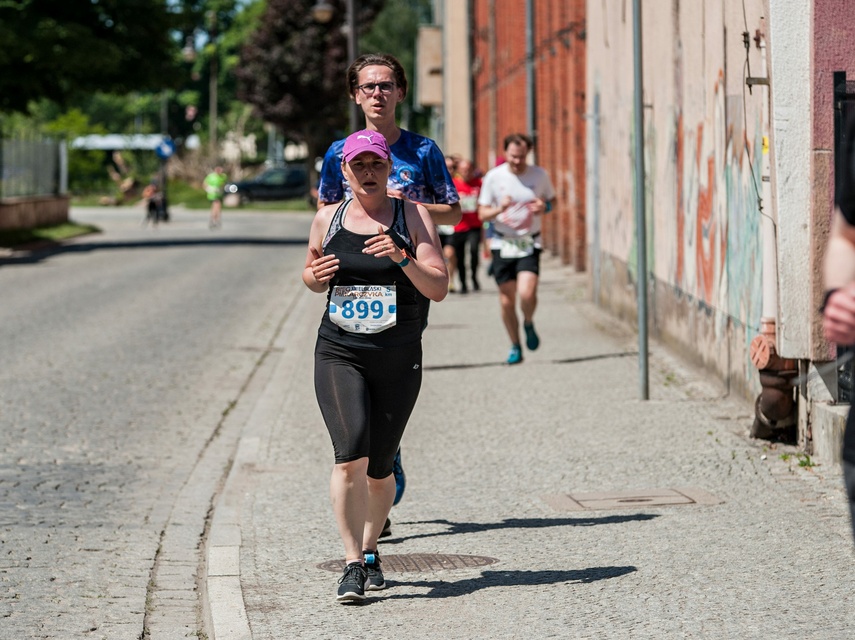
<point>32,212</point>
<point>499,103</point>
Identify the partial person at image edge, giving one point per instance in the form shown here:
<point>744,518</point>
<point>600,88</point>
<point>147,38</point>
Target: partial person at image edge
<point>838,307</point>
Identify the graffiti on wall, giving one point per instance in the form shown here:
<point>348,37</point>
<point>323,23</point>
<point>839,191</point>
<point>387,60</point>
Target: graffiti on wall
<point>719,259</point>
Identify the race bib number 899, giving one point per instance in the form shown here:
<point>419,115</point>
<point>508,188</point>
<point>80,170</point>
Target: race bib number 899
<point>363,308</point>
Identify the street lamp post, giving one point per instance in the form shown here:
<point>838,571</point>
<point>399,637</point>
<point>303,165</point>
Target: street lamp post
<point>322,12</point>
<point>351,30</point>
<point>188,52</point>
<point>212,86</point>
<point>640,214</point>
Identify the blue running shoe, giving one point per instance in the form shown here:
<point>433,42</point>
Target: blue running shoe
<point>515,356</point>
<point>375,580</point>
<point>400,477</point>
<point>531,339</point>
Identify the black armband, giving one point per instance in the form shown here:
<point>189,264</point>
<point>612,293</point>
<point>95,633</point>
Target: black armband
<point>826,296</point>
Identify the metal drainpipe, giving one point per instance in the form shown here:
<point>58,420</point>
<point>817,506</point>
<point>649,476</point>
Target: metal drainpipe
<point>529,70</point>
<point>774,407</point>
<point>494,85</point>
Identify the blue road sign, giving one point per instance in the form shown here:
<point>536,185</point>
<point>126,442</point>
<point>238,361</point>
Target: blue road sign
<point>165,149</point>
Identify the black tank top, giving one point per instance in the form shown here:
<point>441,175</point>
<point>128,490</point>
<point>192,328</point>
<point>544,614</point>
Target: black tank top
<point>357,268</point>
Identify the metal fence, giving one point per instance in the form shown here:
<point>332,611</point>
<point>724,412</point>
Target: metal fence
<point>31,168</point>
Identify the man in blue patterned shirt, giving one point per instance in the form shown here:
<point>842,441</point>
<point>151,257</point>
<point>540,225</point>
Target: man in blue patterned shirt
<point>377,83</point>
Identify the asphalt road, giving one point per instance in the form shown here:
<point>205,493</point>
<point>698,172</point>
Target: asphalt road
<point>126,359</point>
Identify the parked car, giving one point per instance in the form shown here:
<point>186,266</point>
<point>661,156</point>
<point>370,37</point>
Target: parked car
<point>276,183</point>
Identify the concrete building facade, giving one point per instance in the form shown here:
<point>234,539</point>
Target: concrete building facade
<point>742,108</point>
<point>704,133</point>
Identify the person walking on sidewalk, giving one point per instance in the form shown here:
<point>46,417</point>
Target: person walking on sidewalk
<point>378,84</point>
<point>215,189</point>
<point>513,197</point>
<point>469,230</point>
<point>155,202</point>
<point>375,257</point>
<point>838,308</point>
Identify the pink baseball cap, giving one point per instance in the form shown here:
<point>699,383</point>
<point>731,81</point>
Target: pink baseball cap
<point>365,140</point>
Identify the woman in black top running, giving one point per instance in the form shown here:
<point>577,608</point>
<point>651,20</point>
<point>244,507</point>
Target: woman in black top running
<point>377,258</point>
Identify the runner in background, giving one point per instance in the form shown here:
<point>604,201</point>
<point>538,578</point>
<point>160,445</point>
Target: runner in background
<point>469,231</point>
<point>513,197</point>
<point>215,184</point>
<point>446,231</point>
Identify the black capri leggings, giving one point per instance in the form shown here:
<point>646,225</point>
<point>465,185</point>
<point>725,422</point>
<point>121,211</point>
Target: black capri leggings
<point>366,397</point>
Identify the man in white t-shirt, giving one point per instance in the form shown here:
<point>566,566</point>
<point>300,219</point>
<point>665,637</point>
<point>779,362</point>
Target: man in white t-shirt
<point>513,197</point>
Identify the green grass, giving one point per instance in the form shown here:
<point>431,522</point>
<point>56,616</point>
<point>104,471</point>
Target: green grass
<point>185,194</point>
<point>18,237</point>
<point>89,200</point>
<point>803,459</point>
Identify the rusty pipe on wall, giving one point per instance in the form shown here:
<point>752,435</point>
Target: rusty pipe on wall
<point>774,407</point>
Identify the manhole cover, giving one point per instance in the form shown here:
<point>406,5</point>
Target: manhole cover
<point>415,562</point>
<point>630,499</point>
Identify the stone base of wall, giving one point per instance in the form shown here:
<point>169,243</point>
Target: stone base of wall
<point>706,337</point>
<point>827,424</point>
<point>687,326</point>
<point>32,212</point>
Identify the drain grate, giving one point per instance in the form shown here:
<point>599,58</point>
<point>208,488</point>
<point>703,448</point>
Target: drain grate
<point>630,499</point>
<point>420,562</point>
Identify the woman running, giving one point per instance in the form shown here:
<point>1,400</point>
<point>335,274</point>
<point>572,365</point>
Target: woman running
<point>375,258</point>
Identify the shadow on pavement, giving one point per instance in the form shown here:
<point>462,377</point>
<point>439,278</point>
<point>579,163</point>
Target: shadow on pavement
<point>487,579</point>
<point>481,365</point>
<point>42,253</point>
<point>455,528</point>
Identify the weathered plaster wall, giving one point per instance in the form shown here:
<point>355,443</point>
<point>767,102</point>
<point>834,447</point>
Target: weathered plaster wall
<point>832,51</point>
<point>456,79</point>
<point>703,134</point>
<point>821,426</point>
<point>790,28</point>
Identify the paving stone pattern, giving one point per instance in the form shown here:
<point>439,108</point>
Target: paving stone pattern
<point>487,443</point>
<point>121,354</point>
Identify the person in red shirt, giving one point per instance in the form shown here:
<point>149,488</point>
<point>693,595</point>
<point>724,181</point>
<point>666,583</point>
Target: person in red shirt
<point>468,230</point>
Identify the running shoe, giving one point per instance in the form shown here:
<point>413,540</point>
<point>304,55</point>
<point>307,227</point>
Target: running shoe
<point>352,583</point>
<point>375,580</point>
<point>532,341</point>
<point>387,529</point>
<point>515,356</point>
<point>400,477</point>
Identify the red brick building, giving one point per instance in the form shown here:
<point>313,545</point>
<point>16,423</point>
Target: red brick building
<point>502,80</point>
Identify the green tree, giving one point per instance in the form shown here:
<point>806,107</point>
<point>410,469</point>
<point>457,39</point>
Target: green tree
<point>292,70</point>
<point>395,31</point>
<point>62,49</point>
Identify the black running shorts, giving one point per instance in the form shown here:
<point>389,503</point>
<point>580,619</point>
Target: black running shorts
<point>506,269</point>
<point>366,397</point>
